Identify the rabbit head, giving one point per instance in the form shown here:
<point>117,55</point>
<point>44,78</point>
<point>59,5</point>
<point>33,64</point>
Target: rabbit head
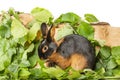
<point>48,45</point>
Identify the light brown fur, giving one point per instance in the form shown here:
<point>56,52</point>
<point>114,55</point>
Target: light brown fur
<point>59,42</point>
<point>52,33</point>
<point>60,60</point>
<point>76,61</point>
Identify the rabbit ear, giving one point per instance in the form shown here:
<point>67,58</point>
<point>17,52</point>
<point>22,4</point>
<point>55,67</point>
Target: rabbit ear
<point>44,30</point>
<point>51,33</point>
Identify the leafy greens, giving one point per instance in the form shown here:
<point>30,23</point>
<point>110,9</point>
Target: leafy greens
<point>19,48</point>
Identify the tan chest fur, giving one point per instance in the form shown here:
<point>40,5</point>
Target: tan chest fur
<point>76,61</point>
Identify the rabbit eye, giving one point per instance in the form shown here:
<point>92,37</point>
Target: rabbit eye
<point>44,49</point>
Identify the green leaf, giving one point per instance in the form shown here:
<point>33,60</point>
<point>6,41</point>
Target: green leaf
<point>24,73</point>
<point>37,73</point>
<point>4,31</point>
<point>86,30</point>
<point>5,26</point>
<point>30,48</point>
<point>73,75</point>
<point>118,61</point>
<point>55,72</point>
<point>33,32</point>
<point>65,30</point>
<point>116,72</point>
<point>34,58</point>
<point>24,61</point>
<point>90,18</point>
<point>4,46</point>
<point>109,72</point>
<point>90,75</point>
<point>4,62</point>
<point>41,14</point>
<point>69,18</point>
<point>17,29</point>
<point>111,64</point>
<point>116,54</point>
<point>7,50</point>
<point>105,52</point>
<point>22,40</point>
<point>12,12</point>
<point>5,77</point>
<point>101,70</point>
<point>13,69</point>
<point>11,52</point>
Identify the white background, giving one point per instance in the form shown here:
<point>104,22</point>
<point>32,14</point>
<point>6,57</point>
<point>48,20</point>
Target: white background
<point>104,10</point>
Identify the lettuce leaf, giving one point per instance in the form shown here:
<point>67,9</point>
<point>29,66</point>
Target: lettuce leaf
<point>24,60</point>
<point>105,52</point>
<point>32,34</point>
<point>5,24</point>
<point>13,70</point>
<point>41,14</point>
<point>69,17</point>
<point>90,18</point>
<point>116,54</point>
<point>86,30</point>
<point>64,31</point>
<point>7,50</point>
<point>24,73</point>
<point>55,72</point>
<point>18,30</point>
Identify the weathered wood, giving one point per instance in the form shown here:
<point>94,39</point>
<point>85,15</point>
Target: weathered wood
<point>25,18</point>
<point>104,31</point>
<point>113,39</point>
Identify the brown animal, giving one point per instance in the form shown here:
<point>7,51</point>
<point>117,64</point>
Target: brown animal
<point>72,50</point>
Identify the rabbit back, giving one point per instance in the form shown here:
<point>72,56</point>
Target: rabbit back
<point>77,45</point>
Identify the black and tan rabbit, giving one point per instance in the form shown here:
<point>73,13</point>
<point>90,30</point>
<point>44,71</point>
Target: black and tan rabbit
<point>72,50</point>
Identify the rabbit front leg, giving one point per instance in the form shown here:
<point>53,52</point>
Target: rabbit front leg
<point>49,63</point>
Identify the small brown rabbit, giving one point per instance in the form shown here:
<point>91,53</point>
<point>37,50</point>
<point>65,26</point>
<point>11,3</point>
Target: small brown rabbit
<point>72,50</point>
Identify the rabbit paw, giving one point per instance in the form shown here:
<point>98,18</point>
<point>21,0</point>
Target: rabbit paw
<point>49,64</point>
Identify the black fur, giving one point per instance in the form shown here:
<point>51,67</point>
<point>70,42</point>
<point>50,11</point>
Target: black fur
<point>46,42</point>
<point>77,44</point>
<point>43,29</point>
<point>52,46</point>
